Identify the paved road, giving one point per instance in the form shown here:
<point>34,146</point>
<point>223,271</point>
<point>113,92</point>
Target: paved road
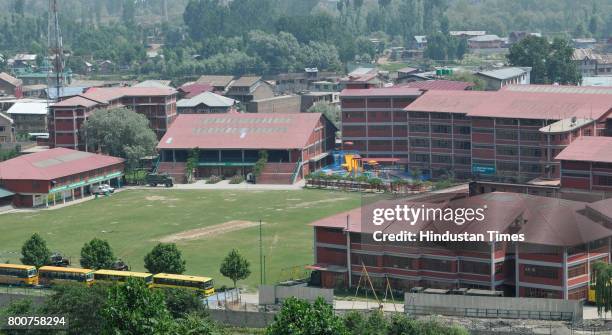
<point>225,185</point>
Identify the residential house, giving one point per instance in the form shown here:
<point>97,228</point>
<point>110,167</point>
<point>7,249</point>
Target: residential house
<point>467,33</point>
<point>190,90</point>
<point>591,63</point>
<point>485,42</point>
<point>584,43</point>
<point>309,99</point>
<point>420,42</point>
<point>7,133</point>
<point>10,85</point>
<point>220,83</point>
<point>205,103</point>
<point>29,116</point>
<point>246,89</point>
<point>283,104</point>
<point>498,78</point>
<point>155,83</point>
<point>22,61</point>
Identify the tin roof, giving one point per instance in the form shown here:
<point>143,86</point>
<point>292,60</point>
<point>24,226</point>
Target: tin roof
<point>240,131</point>
<point>447,85</point>
<point>588,149</point>
<point>209,99</point>
<point>54,163</point>
<point>29,107</point>
<point>381,92</point>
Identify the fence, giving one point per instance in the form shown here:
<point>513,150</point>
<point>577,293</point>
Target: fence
<point>492,307</point>
<point>271,295</point>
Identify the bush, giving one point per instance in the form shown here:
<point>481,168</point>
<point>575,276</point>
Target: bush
<point>236,180</point>
<point>213,179</point>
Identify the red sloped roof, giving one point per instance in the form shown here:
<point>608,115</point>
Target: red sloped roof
<point>240,131</point>
<point>588,149</point>
<point>381,92</point>
<point>449,101</point>
<point>105,94</point>
<point>194,89</point>
<point>447,85</point>
<point>53,163</point>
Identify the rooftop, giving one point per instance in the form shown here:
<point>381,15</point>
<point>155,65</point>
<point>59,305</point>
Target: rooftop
<point>381,92</point>
<point>246,81</point>
<point>505,73</point>
<point>545,221</point>
<point>103,95</point>
<point>566,125</point>
<point>209,99</point>
<point>193,89</point>
<point>38,107</point>
<point>240,131</point>
<point>154,83</point>
<point>588,149</point>
<point>54,163</point>
<point>558,89</point>
<point>447,85</point>
<point>455,101</point>
<point>9,79</point>
<point>216,80</point>
<point>485,38</point>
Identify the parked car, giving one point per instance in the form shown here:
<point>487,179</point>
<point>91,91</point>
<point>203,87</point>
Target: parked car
<point>102,189</point>
<point>154,179</point>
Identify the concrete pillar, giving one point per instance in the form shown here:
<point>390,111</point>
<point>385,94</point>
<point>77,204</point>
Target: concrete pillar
<point>517,280</point>
<point>47,200</point>
<point>82,192</point>
<point>565,275</point>
<point>72,193</point>
<point>492,265</point>
<point>54,198</point>
<point>348,252</point>
<point>33,200</point>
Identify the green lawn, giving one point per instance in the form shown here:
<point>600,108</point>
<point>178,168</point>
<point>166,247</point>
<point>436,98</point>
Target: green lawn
<point>132,221</point>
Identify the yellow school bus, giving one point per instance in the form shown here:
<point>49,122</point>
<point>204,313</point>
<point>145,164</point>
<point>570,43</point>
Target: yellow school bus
<point>203,285</point>
<point>121,276</point>
<point>48,275</point>
<point>17,274</point>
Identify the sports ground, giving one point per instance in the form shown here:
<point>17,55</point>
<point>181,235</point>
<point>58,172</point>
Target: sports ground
<point>204,224</point>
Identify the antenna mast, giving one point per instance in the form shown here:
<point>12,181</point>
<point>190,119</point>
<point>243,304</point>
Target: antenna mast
<point>55,78</point>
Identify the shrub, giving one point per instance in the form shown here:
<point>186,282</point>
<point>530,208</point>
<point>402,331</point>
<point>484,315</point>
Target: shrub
<point>236,180</point>
<point>213,179</point>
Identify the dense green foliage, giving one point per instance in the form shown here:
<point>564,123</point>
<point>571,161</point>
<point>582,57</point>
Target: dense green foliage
<point>35,252</point>
<point>330,110</point>
<point>97,254</point>
<point>235,267</point>
<point>603,287</point>
<point>166,258</point>
<point>549,62</point>
<point>120,132</point>
<point>299,317</point>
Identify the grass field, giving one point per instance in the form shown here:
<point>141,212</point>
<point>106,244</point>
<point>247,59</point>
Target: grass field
<point>134,221</point>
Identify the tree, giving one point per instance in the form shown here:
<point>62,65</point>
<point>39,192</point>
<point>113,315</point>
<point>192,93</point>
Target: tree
<point>97,254</point>
<point>549,62</point>
<point>180,302</point>
<point>235,267</point>
<point>119,132</point>
<point>192,163</point>
<point>35,252</point>
<point>466,76</point>
<point>81,304</point>
<point>331,111</point>
<point>299,317</point>
<point>261,163</point>
<point>135,309</point>
<point>603,287</point>
<point>165,257</point>
<point>193,324</point>
<point>19,7</point>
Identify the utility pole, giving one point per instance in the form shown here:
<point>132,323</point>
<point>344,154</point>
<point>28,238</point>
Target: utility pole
<point>55,77</point>
<point>261,266</point>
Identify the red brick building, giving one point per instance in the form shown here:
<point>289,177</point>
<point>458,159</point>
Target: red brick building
<point>57,175</point>
<point>374,120</point>
<point>586,164</point>
<point>66,117</point>
<point>511,135</point>
<point>562,240</point>
<point>229,144</point>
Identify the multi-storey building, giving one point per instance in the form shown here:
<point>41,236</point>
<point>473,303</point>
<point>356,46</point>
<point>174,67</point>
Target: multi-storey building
<point>562,241</point>
<point>586,165</point>
<point>374,121</point>
<point>67,116</point>
<point>513,134</point>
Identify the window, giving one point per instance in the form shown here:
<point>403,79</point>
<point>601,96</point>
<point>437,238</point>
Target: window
<point>367,260</point>
<point>418,115</point>
<point>475,267</point>
<point>507,122</point>
<point>440,129</point>
<point>419,128</point>
<point>419,142</point>
<point>422,158</point>
<point>463,160</point>
<point>504,134</point>
<point>507,166</point>
<point>441,159</point>
<point>507,151</point>
<point>436,265</point>
<point>533,123</point>
<point>463,130</point>
<point>445,144</point>
<point>576,270</point>
<point>531,152</point>
<point>530,136</point>
<point>398,262</point>
<point>463,145</point>
<point>483,130</point>
<point>2,129</point>
<point>541,271</point>
<point>532,292</point>
<point>440,116</point>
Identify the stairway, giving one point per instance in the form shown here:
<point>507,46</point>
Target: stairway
<point>277,173</point>
<point>175,170</point>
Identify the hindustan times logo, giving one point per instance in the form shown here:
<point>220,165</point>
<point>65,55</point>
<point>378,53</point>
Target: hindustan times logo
<point>411,215</point>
